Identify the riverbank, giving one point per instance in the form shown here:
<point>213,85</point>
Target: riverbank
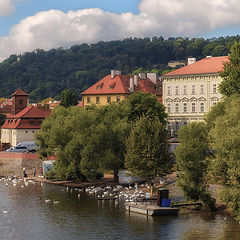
<point>169,182</point>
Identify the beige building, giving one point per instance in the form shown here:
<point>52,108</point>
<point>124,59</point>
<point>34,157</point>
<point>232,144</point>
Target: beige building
<point>189,92</point>
<point>24,122</point>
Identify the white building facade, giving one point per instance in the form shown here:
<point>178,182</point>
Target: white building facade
<point>189,92</point>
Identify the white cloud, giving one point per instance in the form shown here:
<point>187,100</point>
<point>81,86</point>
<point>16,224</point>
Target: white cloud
<point>6,7</point>
<point>55,28</point>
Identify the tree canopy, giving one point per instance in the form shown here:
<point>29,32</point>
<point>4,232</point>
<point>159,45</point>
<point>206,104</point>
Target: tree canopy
<point>192,162</point>
<point>46,74</point>
<point>68,98</point>
<point>231,73</point>
<point>147,149</point>
<point>91,140</point>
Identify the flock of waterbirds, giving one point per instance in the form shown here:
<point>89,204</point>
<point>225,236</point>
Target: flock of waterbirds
<point>117,193</point>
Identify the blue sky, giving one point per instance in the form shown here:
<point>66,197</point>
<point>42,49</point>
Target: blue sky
<point>29,24</point>
<point>27,8</point>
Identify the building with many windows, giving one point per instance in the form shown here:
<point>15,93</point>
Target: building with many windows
<point>190,91</point>
<point>116,87</point>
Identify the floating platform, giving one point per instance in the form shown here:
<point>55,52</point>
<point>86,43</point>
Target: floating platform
<point>151,210</point>
<point>107,198</point>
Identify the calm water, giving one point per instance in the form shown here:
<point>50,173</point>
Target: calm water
<point>25,215</point>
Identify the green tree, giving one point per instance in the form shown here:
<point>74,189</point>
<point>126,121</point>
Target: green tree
<point>191,158</point>
<point>112,129</point>
<point>68,98</point>
<point>147,150</point>
<point>146,104</point>
<point>63,134</point>
<point>231,73</point>
<point>225,141</point>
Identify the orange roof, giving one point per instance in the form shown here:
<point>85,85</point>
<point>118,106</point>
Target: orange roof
<point>206,65</point>
<point>80,104</point>
<point>119,85</point>
<point>32,112</point>
<point>19,92</point>
<point>30,117</point>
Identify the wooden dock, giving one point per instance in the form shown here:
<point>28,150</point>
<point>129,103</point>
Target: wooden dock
<point>150,209</point>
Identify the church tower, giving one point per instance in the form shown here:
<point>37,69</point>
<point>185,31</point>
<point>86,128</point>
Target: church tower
<point>19,101</point>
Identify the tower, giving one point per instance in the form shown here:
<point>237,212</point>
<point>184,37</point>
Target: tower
<point>19,101</point>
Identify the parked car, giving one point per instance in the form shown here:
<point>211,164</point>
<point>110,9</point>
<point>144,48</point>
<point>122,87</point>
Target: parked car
<point>24,147</point>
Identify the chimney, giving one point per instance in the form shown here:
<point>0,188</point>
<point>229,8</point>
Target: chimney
<point>136,80</point>
<point>191,60</point>
<point>142,75</point>
<point>152,77</point>
<point>131,88</point>
<point>114,73</point>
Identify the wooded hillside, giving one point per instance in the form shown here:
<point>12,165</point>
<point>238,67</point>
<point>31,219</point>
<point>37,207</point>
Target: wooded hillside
<point>46,73</point>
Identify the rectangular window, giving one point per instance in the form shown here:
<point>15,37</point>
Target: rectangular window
<point>118,99</point>
<point>20,102</point>
<point>176,90</point>
<point>176,107</point>
<point>88,100</point>
<point>214,88</point>
<point>185,90</point>
<point>201,107</point>
<point>193,107</point>
<point>185,107</point>
<point>193,89</point>
<point>97,100</point>
<point>169,107</point>
<point>108,99</point>
<point>168,90</point>
<point>201,89</point>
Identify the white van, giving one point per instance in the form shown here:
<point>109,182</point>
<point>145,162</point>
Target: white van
<point>24,147</point>
<point>19,149</point>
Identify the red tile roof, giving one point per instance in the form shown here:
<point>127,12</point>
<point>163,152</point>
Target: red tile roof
<point>19,92</point>
<point>29,118</point>
<point>206,65</point>
<point>119,85</point>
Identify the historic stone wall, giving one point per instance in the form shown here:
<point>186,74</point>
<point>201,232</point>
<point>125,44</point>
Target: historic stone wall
<point>13,163</point>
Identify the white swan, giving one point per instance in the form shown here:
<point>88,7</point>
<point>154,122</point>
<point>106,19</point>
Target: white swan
<point>47,200</point>
<point>55,201</point>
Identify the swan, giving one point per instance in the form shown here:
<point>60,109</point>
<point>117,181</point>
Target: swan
<point>55,201</point>
<point>47,200</point>
<point>4,211</point>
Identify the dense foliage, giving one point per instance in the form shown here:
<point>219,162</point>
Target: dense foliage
<point>231,73</point>
<point>90,141</point>
<point>225,141</point>
<point>46,73</point>
<point>192,162</point>
<point>68,98</point>
<point>147,149</point>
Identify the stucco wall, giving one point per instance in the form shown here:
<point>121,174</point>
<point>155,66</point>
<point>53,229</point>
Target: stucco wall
<point>179,97</point>
<point>103,99</point>
<point>18,135</point>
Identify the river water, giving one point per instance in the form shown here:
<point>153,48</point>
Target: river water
<point>24,215</point>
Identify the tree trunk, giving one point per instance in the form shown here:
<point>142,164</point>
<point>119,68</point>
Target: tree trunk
<point>116,175</point>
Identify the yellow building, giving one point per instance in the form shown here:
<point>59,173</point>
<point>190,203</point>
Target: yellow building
<point>116,88</point>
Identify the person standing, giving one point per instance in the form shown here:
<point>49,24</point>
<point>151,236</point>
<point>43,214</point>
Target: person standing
<point>34,172</point>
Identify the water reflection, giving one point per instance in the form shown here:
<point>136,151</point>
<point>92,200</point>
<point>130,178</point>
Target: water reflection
<point>28,216</point>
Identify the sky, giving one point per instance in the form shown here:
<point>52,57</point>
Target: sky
<point>26,25</point>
